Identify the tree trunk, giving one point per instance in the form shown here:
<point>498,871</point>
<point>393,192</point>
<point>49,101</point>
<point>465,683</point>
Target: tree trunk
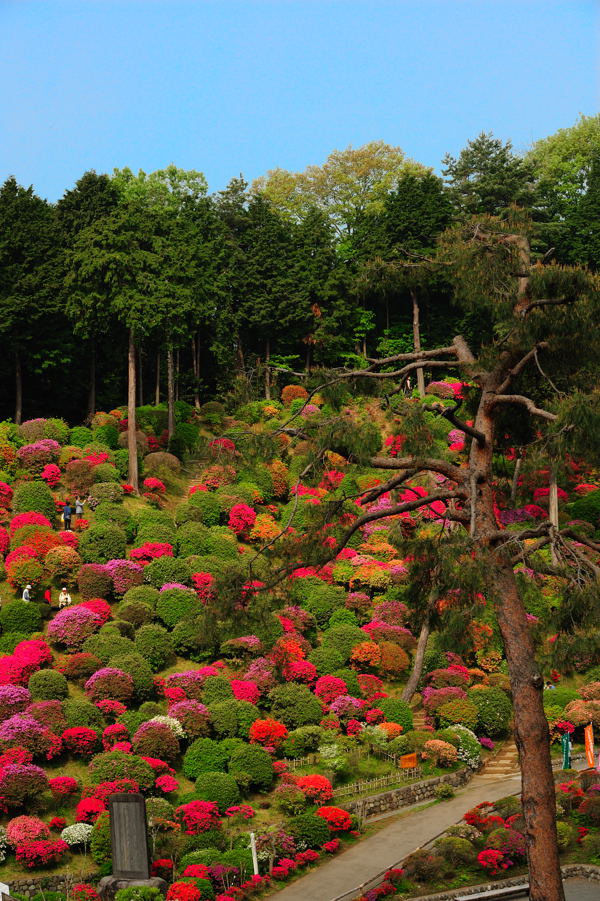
<point>177,374</point>
<point>140,381</point>
<point>553,509</point>
<point>267,370</point>
<point>387,312</point>
<point>531,727</point>
<point>92,385</point>
<point>515,480</point>
<point>308,357</point>
<point>239,357</point>
<point>364,346</point>
<point>18,389</point>
<point>417,341</point>
<point>170,392</point>
<point>196,369</point>
<point>157,381</point>
<point>131,429</point>
<point>417,667</point>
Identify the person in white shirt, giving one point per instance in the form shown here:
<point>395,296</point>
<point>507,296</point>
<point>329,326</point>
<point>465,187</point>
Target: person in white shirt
<point>64,598</point>
<point>26,596</point>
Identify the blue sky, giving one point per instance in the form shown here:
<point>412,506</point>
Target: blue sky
<point>230,86</point>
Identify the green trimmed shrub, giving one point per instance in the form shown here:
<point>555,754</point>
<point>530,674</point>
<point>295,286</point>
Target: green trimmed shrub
<point>107,643</point>
<point>108,435</point>
<point>324,601</point>
<point>256,763</point>
<point>21,616</point>
<point>185,512</point>
<point>100,842</point>
<point>154,525</point>
<point>191,539</point>
<point>309,829</point>
<point>154,644</point>
<point>206,756</point>
<point>326,660</point>
<point>295,705</point>
<point>586,508</point>
<point>167,569</point>
<point>218,541</point>
<point>10,640</point>
<point>82,713</point>
<point>34,496</point>
<point>144,594</point>
<point>116,514</point>
<point>207,504</point>
<point>194,640</point>
<point>48,685</point>
<point>460,710</point>
<point>135,612</point>
<point>216,689</point>
<point>302,741</point>
<point>176,604</point>
<point>232,718</point>
<point>112,765</point>
<point>105,491</point>
<point>494,710</point>
<point>221,788</point>
<point>80,436</point>
<point>342,639</point>
<point>349,677</point>
<point>397,711</point>
<point>102,542</point>
<point>105,472</point>
<point>139,670</point>
<point>342,617</point>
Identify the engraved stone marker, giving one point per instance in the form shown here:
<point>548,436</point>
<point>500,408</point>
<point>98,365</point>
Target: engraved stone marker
<point>128,836</point>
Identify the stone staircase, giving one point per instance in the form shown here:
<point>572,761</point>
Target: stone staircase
<point>503,764</point>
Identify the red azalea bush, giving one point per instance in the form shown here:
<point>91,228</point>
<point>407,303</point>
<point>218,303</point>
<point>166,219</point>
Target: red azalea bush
<point>80,666</point>
<point>88,810</point>
<point>316,788</point>
<point>245,690</point>
<point>198,816</point>
<point>28,519</point>
<point>328,688</point>
<point>6,495</point>
<point>63,786</point>
<point>80,740</point>
<point>183,891</point>
<point>113,734</point>
<point>167,784</point>
<point>151,550</point>
<point>337,819</point>
<point>25,829</point>
<point>83,891</point>
<point>154,485</point>
<point>24,571</point>
<point>100,607</point>
<point>156,738</point>
<point>241,519</point>
<point>291,393</point>
<point>269,732</point>
<point>51,474</point>
<point>41,853</point>
<point>111,709</point>
<point>203,583</point>
<point>104,790</point>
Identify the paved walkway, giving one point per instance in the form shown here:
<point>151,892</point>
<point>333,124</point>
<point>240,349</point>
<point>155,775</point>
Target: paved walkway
<point>372,855</point>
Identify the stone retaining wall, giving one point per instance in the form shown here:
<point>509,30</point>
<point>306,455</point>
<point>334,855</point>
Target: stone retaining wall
<point>569,871</point>
<point>31,885</point>
<point>414,793</point>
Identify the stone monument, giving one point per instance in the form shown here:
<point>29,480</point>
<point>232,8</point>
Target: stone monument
<point>129,842</point>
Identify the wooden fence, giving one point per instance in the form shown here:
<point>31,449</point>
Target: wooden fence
<point>373,786</point>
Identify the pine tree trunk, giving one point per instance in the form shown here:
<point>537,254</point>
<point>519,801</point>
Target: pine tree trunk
<point>196,369</point>
<point>18,389</point>
<point>531,727</point>
<point>417,341</point>
<point>92,385</point>
<point>140,381</point>
<point>515,481</point>
<point>131,429</point>
<point>267,370</point>
<point>308,357</point>
<point>177,374</point>
<point>553,508</point>
<point>170,392</point>
<point>157,381</point>
<point>417,667</point>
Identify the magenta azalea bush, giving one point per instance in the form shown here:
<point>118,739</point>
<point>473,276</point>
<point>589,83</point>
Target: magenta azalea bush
<point>72,625</point>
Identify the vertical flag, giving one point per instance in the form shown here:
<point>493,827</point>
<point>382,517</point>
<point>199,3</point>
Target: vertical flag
<point>566,751</point>
<point>589,745</point>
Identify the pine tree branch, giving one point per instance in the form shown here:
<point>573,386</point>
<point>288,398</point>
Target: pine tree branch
<point>418,464</point>
<point>449,413</point>
<point>413,355</point>
<point>524,402</point>
<point>520,366</point>
<point>546,302</point>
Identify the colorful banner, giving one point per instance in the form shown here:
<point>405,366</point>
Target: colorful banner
<point>566,751</point>
<point>589,745</point>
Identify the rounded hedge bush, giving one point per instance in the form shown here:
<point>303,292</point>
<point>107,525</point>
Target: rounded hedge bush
<point>135,612</point>
<point>460,711</point>
<point>93,582</point>
<point>231,719</point>
<point>221,788</point>
<point>102,542</point>
<point>144,594</point>
<point>34,496</point>
<point>216,689</point>
<point>494,710</point>
<point>256,763</point>
<point>167,569</point>
<point>176,604</point>
<point>107,643</point>
<point>185,512</point>
<point>82,713</point>
<point>342,639</point>
<point>326,660</point>
<point>21,616</point>
<point>205,756</point>
<point>309,829</point>
<point>397,711</point>
<point>104,491</point>
<point>295,705</point>
<point>118,515</point>
<point>114,765</point>
<point>48,685</point>
<point>154,644</point>
<point>138,668</point>
<point>207,506</point>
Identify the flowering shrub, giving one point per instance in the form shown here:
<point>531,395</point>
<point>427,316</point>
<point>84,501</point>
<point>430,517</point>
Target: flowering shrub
<point>241,519</point>
<point>493,861</point>
<point>154,485</point>
<point>193,716</point>
<point>89,809</point>
<point>62,564</point>
<point>26,829</point>
<point>198,816</point>
<point>269,732</point>
<point>441,752</point>
<point>63,786</point>
<point>93,581</point>
<point>113,734</point>
<point>291,393</point>
<point>124,574</point>
<point>6,494</point>
<point>80,740</point>
<point>34,457</point>
<point>245,690</point>
<point>41,853</point>
<point>366,654</point>
<point>316,788</point>
<point>100,607</point>
<point>203,583</point>
<point>77,834</point>
<point>167,784</point>
<point>51,474</point>
<point>154,738</point>
<point>13,699</point>
<point>328,688</point>
<point>24,571</point>
<point>111,683</point>
<point>151,550</point>
<point>337,819</point>
<point>26,732</point>
<point>73,625</point>
<point>21,782</point>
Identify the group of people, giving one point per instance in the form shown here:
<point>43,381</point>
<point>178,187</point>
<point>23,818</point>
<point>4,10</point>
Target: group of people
<point>64,598</point>
<point>67,513</point>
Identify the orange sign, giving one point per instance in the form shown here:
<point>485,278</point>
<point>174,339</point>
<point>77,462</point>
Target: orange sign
<point>407,761</point>
<point>589,745</point>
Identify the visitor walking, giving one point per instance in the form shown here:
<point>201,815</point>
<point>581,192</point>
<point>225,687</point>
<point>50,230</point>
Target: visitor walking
<point>79,507</point>
<point>67,513</point>
<point>26,596</point>
<point>48,597</point>
<point>64,598</point>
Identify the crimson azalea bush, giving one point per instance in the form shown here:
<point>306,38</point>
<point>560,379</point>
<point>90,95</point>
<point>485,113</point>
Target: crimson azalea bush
<point>80,740</point>
<point>198,816</point>
<point>34,855</point>
<point>268,732</point>
<point>315,787</point>
<point>337,819</point>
